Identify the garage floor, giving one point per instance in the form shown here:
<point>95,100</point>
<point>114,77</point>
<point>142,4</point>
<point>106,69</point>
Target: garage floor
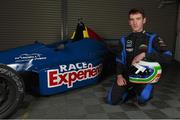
<point>89,102</point>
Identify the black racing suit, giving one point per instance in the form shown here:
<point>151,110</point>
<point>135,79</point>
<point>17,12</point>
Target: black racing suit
<point>131,46</point>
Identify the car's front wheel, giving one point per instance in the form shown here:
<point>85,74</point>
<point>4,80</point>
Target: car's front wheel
<point>12,91</point>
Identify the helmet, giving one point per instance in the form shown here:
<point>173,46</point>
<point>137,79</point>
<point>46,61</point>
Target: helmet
<point>145,72</point>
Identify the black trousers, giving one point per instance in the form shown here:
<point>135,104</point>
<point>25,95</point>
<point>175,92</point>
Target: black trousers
<point>119,94</point>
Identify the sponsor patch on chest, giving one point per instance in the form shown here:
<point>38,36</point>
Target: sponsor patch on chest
<point>129,44</point>
<point>143,47</point>
<point>129,49</point>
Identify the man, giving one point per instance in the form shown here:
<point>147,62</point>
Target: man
<point>137,46</point>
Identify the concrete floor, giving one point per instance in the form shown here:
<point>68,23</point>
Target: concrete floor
<point>88,102</point>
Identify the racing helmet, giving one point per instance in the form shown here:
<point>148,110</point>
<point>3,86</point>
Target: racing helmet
<point>145,72</point>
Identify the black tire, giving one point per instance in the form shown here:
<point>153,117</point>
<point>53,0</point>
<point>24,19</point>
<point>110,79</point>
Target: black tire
<point>12,91</point>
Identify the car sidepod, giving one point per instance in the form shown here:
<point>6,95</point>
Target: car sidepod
<point>78,64</point>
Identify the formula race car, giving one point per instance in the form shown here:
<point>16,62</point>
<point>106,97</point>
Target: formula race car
<point>50,69</point>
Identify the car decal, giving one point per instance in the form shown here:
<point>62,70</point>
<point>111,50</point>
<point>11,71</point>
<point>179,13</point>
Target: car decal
<point>27,57</point>
<point>70,75</point>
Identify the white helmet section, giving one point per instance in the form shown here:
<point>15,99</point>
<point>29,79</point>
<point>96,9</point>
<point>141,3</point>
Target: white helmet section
<point>146,72</point>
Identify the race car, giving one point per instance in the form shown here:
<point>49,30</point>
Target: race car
<point>50,69</point>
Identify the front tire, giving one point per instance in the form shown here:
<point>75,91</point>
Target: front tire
<point>12,91</point>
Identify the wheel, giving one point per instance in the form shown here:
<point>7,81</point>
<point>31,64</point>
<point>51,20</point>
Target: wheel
<point>12,91</point>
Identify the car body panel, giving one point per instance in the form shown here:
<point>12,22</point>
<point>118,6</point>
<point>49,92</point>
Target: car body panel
<point>74,65</point>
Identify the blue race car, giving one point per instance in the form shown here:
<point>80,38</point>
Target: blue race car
<point>49,69</point>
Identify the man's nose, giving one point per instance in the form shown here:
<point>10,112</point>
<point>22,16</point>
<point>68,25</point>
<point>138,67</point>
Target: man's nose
<point>135,22</point>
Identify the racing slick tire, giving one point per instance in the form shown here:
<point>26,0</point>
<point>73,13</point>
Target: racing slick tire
<point>12,91</point>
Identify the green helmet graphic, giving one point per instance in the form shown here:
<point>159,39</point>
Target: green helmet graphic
<point>145,72</point>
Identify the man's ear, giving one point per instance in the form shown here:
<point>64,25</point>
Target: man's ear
<point>144,20</point>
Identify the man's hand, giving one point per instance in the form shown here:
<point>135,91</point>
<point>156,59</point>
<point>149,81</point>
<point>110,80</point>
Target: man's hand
<point>138,58</point>
<point>121,80</point>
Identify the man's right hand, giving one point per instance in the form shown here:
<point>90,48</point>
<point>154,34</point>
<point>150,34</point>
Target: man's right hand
<point>138,58</point>
<point>121,81</point>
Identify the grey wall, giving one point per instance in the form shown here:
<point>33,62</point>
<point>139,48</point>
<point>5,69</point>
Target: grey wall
<point>177,51</point>
<point>24,21</point>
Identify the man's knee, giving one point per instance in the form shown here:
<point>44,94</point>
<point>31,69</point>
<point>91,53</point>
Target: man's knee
<point>146,94</point>
<point>143,99</point>
<point>116,99</point>
<point>109,99</point>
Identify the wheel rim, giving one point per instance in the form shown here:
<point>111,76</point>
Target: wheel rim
<point>7,93</point>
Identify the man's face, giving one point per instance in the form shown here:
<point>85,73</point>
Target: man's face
<point>136,21</point>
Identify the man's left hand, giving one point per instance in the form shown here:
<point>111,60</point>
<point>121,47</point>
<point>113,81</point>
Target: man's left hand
<point>138,58</point>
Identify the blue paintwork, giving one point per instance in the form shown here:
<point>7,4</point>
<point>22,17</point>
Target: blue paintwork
<point>39,58</point>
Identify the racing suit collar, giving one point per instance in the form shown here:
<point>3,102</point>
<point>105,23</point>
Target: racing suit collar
<point>138,34</point>
<point>143,31</point>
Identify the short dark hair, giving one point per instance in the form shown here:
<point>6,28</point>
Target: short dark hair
<point>137,10</point>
